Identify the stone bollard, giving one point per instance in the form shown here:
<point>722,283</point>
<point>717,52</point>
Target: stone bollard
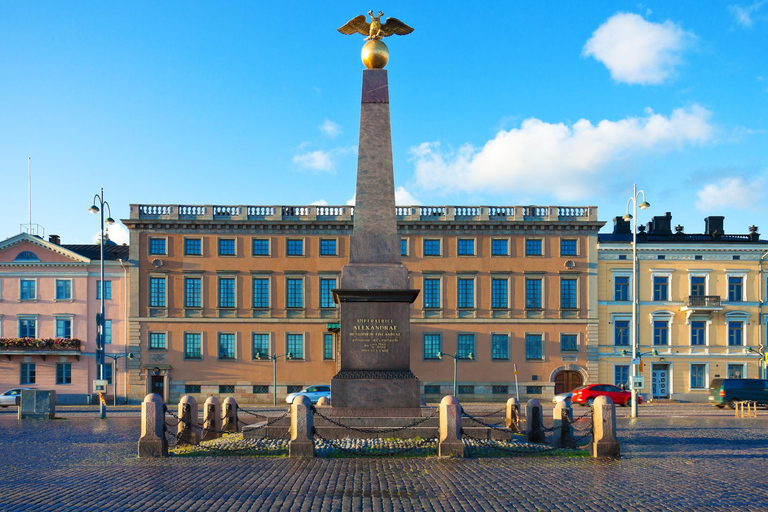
<point>604,442</point>
<point>152,442</point>
<point>301,444</point>
<point>513,415</point>
<point>534,422</point>
<point>324,401</point>
<point>211,419</point>
<point>230,415</point>
<point>563,425</point>
<point>450,444</point>
<point>187,433</point>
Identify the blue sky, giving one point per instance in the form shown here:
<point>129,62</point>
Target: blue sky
<point>511,103</point>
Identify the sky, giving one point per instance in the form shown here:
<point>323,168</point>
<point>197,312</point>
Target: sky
<point>492,103</point>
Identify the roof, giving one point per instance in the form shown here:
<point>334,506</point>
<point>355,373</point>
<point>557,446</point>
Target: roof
<point>93,251</point>
<point>679,238</point>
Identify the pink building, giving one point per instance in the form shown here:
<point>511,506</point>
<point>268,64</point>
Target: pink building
<point>49,297</point>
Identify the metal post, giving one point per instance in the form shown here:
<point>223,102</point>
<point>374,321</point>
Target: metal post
<point>274,380</point>
<point>455,374</point>
<point>100,331</point>
<point>634,302</point>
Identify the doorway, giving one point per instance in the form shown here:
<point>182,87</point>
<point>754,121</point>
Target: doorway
<point>660,380</point>
<point>157,385</point>
<point>567,381</point>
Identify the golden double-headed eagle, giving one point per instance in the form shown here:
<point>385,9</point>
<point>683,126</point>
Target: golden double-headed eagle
<point>375,30</point>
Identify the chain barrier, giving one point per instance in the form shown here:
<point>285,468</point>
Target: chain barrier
<point>362,453</point>
<point>255,412</point>
<point>537,448</point>
<point>268,423</point>
<point>375,431</point>
<point>494,413</point>
<point>488,425</point>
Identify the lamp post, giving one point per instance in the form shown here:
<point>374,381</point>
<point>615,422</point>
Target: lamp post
<point>261,357</point>
<point>763,360</point>
<point>114,358</point>
<point>99,199</point>
<point>456,358</point>
<point>633,217</point>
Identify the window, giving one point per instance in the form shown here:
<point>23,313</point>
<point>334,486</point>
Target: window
<point>193,345</point>
<point>260,246</point>
<point>533,293</point>
<point>735,334</point>
<point>295,295</point>
<point>157,341</point>
<point>157,292</point>
<point>226,292</point>
<point>193,287</point>
<point>660,332</point>
<point>735,288</point>
<point>533,247</point>
<point>568,293</point>
<point>698,333</point>
<point>431,247</point>
<point>192,388</point>
<point>27,327</point>
<point>107,332</point>
<point>226,247</point>
<point>621,376</point>
<point>260,292</point>
<point>26,256</point>
<point>499,293</point>
<point>294,345</point>
<point>499,347</point>
<point>432,346</point>
<point>698,286</point>
<point>735,371</point>
<point>568,247</point>
<point>226,345</point>
<point>327,247</point>
<point>465,346</point>
<point>226,389</point>
<point>63,373</point>
<point>107,373</point>
<point>326,297</point>
<point>156,246</point>
<point>466,247</point>
<point>533,347</point>
<point>660,288</point>
<point>260,389</point>
<point>466,293</point>
<point>259,345</point>
<point>431,389</point>
<point>193,247</point>
<point>293,388</point>
<point>63,289</point>
<point>327,346</point>
<point>27,289</point>
<point>107,290</point>
<point>500,390</point>
<point>621,288</point>
<point>431,293</point>
<point>403,247</point>
<point>295,247</point>
<point>569,343</point>
<point>64,328</point>
<point>698,376</point>
<point>621,333</point>
<point>534,390</point>
<point>499,247</point>
<point>465,389</point>
<point>27,374</point>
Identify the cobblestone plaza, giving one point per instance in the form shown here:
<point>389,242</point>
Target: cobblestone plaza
<point>675,457</point>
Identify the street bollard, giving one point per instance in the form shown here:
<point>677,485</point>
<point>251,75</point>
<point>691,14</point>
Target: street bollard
<point>230,415</point>
<point>152,442</point>
<point>450,444</point>
<point>534,422</point>
<point>301,444</point>
<point>211,419</point>
<point>604,442</point>
<point>563,425</point>
<point>513,415</point>
<point>186,432</point>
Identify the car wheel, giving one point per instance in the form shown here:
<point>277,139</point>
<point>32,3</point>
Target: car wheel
<point>719,406</point>
<point>590,401</point>
<point>732,402</point>
<point>624,404</point>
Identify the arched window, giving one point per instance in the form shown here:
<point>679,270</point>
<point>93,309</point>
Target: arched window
<point>27,256</point>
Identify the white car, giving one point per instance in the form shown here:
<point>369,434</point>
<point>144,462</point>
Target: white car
<point>562,397</point>
<point>10,397</point>
<point>314,393</point>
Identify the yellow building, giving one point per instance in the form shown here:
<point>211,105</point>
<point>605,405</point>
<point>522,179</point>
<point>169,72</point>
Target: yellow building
<point>699,308</point>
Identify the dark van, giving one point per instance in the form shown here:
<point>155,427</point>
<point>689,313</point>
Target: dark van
<point>724,392</point>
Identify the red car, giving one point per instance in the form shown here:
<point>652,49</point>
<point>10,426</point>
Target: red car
<point>585,395</point>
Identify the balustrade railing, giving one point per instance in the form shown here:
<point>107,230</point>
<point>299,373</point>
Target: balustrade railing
<point>704,301</point>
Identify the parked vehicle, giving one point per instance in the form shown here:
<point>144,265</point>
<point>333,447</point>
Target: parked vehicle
<point>562,397</point>
<point>585,395</point>
<point>724,392</point>
<point>314,393</point>
<point>11,397</point>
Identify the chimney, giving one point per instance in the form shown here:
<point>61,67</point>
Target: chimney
<point>621,226</point>
<point>661,225</point>
<point>54,239</point>
<point>713,226</point>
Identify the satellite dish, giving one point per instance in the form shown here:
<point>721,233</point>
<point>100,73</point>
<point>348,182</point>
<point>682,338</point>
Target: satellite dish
<point>569,264</point>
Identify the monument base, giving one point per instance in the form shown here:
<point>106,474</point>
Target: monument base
<point>376,390</point>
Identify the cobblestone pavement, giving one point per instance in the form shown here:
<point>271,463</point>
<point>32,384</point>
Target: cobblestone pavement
<point>675,457</point>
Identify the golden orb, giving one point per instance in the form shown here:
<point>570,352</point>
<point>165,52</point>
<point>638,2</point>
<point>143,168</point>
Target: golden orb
<point>375,54</point>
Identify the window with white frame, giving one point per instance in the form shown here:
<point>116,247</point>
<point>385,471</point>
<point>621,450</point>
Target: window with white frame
<point>28,374</point>
<point>621,330</point>
<point>736,288</point>
<point>698,284</point>
<point>622,291</point>
<point>735,322</point>
<point>63,326</point>
<point>698,330</point>
<point>27,326</point>
<point>660,283</point>
<point>621,375</point>
<point>27,289</point>
<point>63,289</point>
<point>661,325</point>
<point>736,371</point>
<point>699,378</point>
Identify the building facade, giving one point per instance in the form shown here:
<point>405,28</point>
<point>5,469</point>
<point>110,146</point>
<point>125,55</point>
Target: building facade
<point>220,289</point>
<point>700,306</point>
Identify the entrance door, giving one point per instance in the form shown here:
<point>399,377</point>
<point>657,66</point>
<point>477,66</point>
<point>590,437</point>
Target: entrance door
<point>157,385</point>
<point>660,381</point>
<point>567,381</point>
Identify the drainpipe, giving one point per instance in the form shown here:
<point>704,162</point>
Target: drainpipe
<point>125,328</point>
<point>760,315</point>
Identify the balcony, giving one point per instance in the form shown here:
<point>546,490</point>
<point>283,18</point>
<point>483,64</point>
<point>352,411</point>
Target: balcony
<point>703,304</point>
<point>40,347</point>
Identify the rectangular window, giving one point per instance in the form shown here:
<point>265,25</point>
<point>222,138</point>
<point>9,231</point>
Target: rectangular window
<point>403,247</point>
<point>621,333</point>
<point>261,292</point>
<point>465,389</point>
<point>431,293</point>
<point>660,332</point>
<point>466,293</point>
<point>533,247</point>
<point>27,289</point>
<point>259,345</point>
<point>568,247</point>
<point>327,247</point>
<point>226,389</point>
<point>432,346</point>
<point>156,246</point>
<point>499,293</point>
<point>431,389</point>
<point>193,247</point>
<point>660,288</point>
<point>534,347</point>
<point>327,346</point>
<point>157,292</point>
<point>157,341</point>
<point>621,288</point>
<point>465,346</point>
<point>226,345</point>
<point>193,345</point>
<point>294,346</point>
<point>295,292</point>
<point>431,247</point>
<point>27,327</point>
<point>500,390</point>
<point>735,334</point>
<point>63,373</point>
<point>326,297</point>
<point>260,246</point>
<point>698,338</point>
<point>107,290</point>
<point>499,347</point>
<point>192,388</point>
<point>27,374</point>
<point>735,289</point>
<point>226,292</point>
<point>295,247</point>
<point>569,343</point>
<point>621,375</point>
<point>260,389</point>
<point>108,373</point>
<point>107,332</point>
<point>193,292</point>
<point>226,247</point>
<point>63,289</point>
<point>532,293</point>
<point>735,371</point>
<point>64,328</point>
<point>568,293</point>
<point>499,247</point>
<point>466,247</point>
<point>698,376</point>
<point>698,286</point>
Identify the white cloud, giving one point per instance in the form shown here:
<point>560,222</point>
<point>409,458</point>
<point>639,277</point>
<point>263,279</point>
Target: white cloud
<point>734,193</point>
<point>744,15</point>
<point>567,162</point>
<point>315,160</point>
<point>319,202</point>
<point>636,51</point>
<point>330,128</point>
<point>116,232</point>
<point>402,198</point>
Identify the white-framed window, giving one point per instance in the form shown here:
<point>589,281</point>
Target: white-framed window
<point>622,285</point>
<point>661,328</point>
<point>698,283</point>
<point>27,326</point>
<point>63,326</point>
<point>736,325</point>
<point>736,370</point>
<point>63,289</point>
<point>661,282</point>
<point>621,375</point>
<point>699,376</point>
<point>698,329</point>
<point>736,282</point>
<point>622,329</point>
<point>27,289</point>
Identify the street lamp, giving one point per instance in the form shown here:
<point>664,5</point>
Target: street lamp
<point>456,358</point>
<point>633,217</point>
<point>114,358</point>
<point>261,357</point>
<point>99,199</point>
<point>763,360</point>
